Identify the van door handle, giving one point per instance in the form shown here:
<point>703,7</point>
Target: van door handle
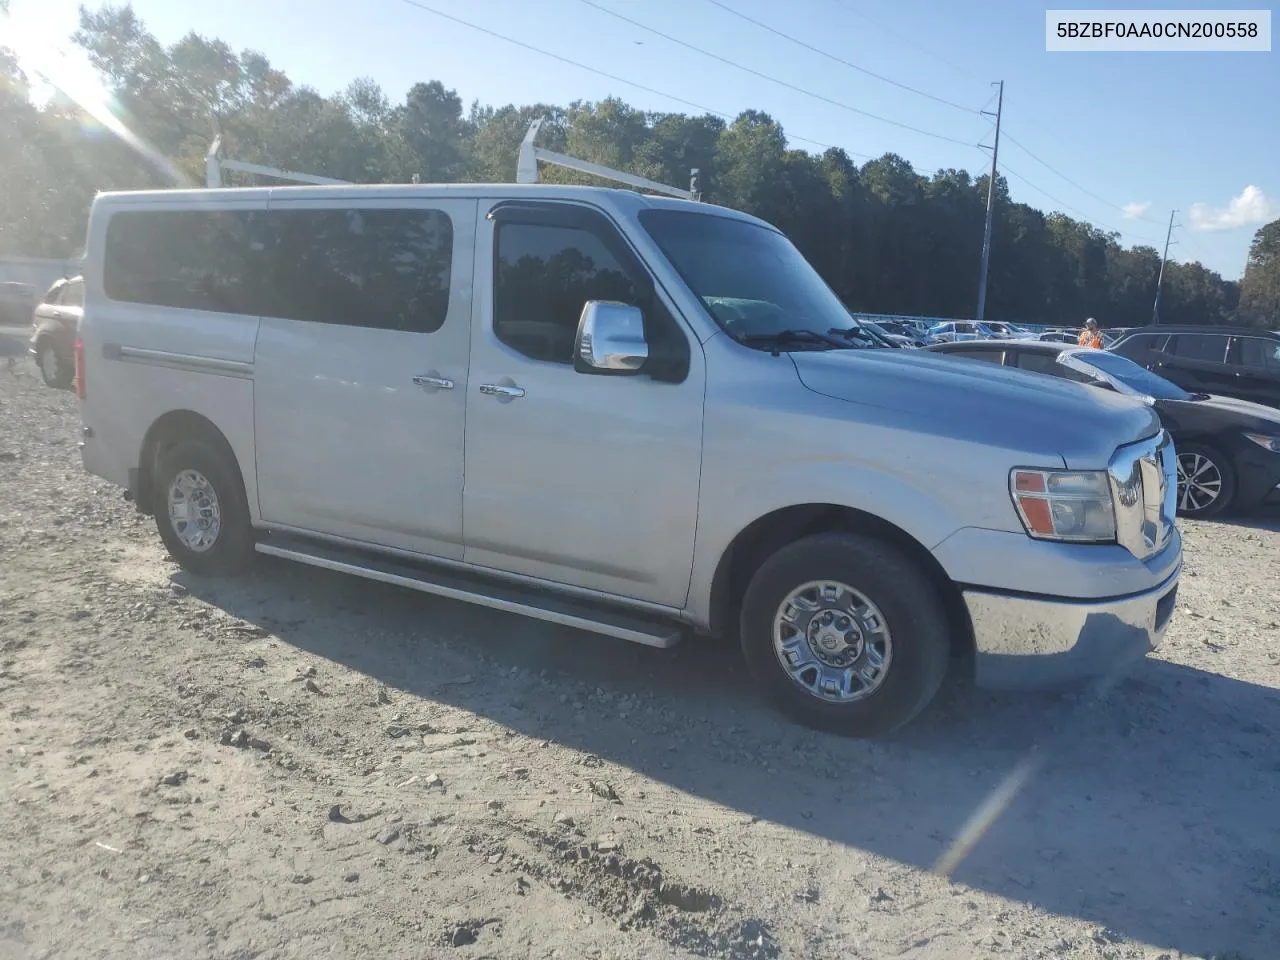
<point>440,383</point>
<point>501,390</point>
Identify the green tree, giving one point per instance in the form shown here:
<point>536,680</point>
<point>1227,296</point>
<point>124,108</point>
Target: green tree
<point>1260,288</point>
<point>431,126</point>
<point>885,237</point>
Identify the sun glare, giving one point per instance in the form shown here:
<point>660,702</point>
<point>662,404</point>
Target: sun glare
<point>55,68</point>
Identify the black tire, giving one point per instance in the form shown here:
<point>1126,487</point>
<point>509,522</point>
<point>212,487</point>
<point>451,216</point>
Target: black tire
<point>231,549</point>
<point>908,603</point>
<point>55,371</point>
<point>1227,489</point>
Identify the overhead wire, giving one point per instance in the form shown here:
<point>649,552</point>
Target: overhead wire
<point>604,73</point>
<point>772,79</point>
<point>1058,173</point>
<point>1005,168</point>
<point>907,40</point>
<point>838,59</point>
<point>724,115</point>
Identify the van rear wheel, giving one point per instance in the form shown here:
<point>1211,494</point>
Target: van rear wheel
<point>846,633</point>
<point>200,509</point>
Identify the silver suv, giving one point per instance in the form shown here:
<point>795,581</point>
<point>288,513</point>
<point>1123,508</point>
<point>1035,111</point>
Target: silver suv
<point>636,416</point>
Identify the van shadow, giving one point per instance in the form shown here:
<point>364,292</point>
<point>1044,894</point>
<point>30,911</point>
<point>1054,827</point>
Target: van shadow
<point>1152,812</point>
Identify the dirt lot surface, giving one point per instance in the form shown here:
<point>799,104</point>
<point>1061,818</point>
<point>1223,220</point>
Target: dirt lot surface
<point>296,764</point>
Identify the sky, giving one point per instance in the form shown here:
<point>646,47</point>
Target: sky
<point>1119,139</point>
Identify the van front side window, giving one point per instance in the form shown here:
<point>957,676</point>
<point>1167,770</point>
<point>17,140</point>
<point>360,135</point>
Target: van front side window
<point>543,274</point>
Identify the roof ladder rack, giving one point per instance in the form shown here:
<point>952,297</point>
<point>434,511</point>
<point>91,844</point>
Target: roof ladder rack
<point>530,155</point>
<point>213,167</point>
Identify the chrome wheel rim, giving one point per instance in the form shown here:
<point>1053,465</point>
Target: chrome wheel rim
<point>1199,482</point>
<point>193,510</point>
<point>49,364</point>
<point>832,641</point>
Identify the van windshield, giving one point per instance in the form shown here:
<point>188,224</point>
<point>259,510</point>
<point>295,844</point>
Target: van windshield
<point>753,281</point>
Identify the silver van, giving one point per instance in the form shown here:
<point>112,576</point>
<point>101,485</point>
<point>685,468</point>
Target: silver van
<point>639,417</point>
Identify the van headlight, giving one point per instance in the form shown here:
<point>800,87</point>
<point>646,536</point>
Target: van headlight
<point>1069,505</point>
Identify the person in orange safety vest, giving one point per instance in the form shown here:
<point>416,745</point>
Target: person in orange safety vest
<point>1091,336</point>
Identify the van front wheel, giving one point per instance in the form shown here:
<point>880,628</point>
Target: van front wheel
<point>846,633</point>
<point>200,509</point>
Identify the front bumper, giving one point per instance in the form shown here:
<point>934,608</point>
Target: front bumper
<point>1032,641</point>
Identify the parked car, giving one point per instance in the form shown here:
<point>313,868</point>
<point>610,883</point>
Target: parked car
<point>993,331</point>
<point>907,330</point>
<point>918,328</point>
<point>951,332</point>
<point>53,333</point>
<point>1232,361</point>
<point>17,300</point>
<point>1060,336</point>
<point>893,338</point>
<point>1228,450</point>
<point>662,435</point>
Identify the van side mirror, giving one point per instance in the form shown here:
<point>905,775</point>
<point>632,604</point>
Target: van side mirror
<point>610,339</point>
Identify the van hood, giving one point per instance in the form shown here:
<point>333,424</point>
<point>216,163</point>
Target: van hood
<point>985,402</point>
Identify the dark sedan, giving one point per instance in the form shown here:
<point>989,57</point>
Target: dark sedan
<point>1228,450</point>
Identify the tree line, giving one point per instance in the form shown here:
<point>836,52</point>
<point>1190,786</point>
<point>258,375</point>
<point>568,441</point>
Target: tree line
<point>887,238</point>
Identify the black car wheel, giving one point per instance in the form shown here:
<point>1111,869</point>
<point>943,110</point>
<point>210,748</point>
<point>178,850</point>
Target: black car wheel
<point>54,370</point>
<point>1206,481</point>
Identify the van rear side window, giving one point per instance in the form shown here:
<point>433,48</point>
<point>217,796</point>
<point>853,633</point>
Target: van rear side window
<point>365,268</point>
<point>386,269</point>
<point>188,259</point>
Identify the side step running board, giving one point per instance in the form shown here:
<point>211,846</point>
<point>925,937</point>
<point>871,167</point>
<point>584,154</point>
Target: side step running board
<point>512,598</point>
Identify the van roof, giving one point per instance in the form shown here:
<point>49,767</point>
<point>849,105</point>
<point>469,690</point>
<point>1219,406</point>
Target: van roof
<point>627,199</point>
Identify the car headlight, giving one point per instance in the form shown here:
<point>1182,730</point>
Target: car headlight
<point>1265,442</point>
<point>1072,505</point>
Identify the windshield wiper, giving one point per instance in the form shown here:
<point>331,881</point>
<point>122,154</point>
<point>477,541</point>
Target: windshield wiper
<point>860,333</point>
<point>783,337</point>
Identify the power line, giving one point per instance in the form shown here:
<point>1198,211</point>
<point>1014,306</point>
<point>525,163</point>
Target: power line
<point>1073,183</point>
<point>907,40</point>
<point>705,109</point>
<point>1070,209</point>
<point>764,76</point>
<point>1188,236</point>
<point>606,74</point>
<point>831,56</point>
<point>904,86</point>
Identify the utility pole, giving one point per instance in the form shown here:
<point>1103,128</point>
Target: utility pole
<point>1155,307</point>
<point>991,205</point>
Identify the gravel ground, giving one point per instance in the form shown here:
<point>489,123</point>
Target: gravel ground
<point>297,764</point>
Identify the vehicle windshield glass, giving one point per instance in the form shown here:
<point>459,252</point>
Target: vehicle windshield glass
<point>1126,372</point>
<point>751,279</point>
